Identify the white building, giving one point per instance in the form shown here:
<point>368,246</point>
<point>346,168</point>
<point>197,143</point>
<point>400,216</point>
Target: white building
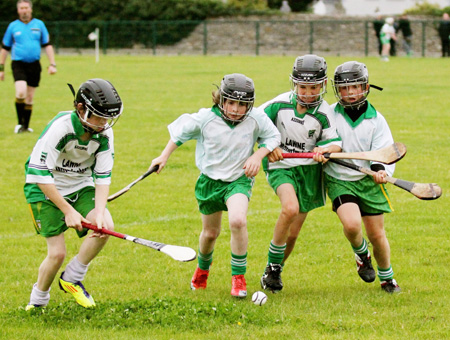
<point>374,7</point>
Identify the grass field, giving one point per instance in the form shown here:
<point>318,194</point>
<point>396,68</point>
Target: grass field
<point>142,294</point>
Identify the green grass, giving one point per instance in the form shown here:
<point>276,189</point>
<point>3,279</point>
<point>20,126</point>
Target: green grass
<point>143,294</point>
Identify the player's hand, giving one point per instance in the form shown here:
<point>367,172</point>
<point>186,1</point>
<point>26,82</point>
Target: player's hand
<point>380,177</point>
<point>252,166</point>
<point>52,69</point>
<point>2,75</point>
<point>319,151</point>
<point>100,223</point>
<point>160,161</point>
<point>73,219</point>
<point>276,155</point>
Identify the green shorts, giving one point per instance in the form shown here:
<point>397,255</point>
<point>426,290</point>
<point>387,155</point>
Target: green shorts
<point>385,40</point>
<point>212,195</point>
<point>49,220</point>
<point>372,198</point>
<point>307,182</point>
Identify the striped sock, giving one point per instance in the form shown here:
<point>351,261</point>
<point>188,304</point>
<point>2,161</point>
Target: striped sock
<point>276,253</point>
<point>385,274</point>
<point>205,260</point>
<point>362,249</point>
<point>238,264</point>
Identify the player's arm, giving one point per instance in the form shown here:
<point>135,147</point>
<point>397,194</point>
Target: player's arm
<point>3,55</point>
<point>101,197</point>
<point>72,217</point>
<point>253,163</point>
<point>163,158</point>
<point>51,58</point>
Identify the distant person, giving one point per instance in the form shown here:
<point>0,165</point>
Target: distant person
<point>24,37</point>
<point>386,34</point>
<point>226,135</point>
<point>444,33</point>
<point>67,182</point>
<point>404,26</point>
<point>377,25</point>
<point>393,42</point>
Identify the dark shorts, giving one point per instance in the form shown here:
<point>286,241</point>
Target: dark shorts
<point>29,72</point>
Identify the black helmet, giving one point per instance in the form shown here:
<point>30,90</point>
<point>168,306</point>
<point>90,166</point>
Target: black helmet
<point>309,69</point>
<point>101,99</point>
<point>351,73</point>
<point>237,87</point>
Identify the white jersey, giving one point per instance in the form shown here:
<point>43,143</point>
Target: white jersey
<point>61,158</point>
<point>300,132</point>
<point>222,148</point>
<point>387,31</point>
<point>369,132</point>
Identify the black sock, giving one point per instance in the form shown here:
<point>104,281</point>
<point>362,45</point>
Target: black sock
<point>20,107</point>
<point>27,115</point>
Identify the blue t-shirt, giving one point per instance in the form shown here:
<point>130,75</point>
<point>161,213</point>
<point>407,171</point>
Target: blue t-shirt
<point>26,39</point>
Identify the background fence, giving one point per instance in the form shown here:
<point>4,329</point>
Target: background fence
<point>236,37</point>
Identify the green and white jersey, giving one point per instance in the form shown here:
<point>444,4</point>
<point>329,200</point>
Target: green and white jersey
<point>300,132</point>
<point>222,148</point>
<point>60,157</point>
<point>369,132</point>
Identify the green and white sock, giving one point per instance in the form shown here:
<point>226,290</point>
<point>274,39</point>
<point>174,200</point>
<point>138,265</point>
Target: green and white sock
<point>238,264</point>
<point>385,274</point>
<point>205,260</point>
<point>276,253</point>
<point>362,249</point>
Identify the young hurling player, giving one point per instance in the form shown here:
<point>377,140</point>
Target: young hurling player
<point>67,182</point>
<point>306,124</point>
<point>357,196</point>
<point>226,135</point>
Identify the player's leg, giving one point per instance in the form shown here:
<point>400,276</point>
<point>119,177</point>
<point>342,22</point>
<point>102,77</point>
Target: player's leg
<point>21,94</point>
<point>56,252</point>
<point>374,225</point>
<point>28,108</point>
<point>75,271</point>
<point>237,215</point>
<point>211,226</point>
<point>48,222</point>
<point>33,79</point>
<point>294,231</point>
<point>349,214</point>
<point>271,278</point>
<point>385,51</point>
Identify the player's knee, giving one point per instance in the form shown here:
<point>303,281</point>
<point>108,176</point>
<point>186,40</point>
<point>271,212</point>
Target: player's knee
<point>210,235</point>
<point>57,257</point>
<point>290,210</point>
<point>377,236</point>
<point>238,222</point>
<point>352,228</point>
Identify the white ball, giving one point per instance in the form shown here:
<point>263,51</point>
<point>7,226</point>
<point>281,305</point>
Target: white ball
<point>259,298</point>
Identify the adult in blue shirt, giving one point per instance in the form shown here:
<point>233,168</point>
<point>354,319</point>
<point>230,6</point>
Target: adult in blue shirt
<point>24,37</point>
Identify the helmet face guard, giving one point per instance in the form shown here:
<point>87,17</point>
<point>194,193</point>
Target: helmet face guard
<point>99,98</point>
<point>348,75</point>
<point>238,88</point>
<point>309,70</point>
